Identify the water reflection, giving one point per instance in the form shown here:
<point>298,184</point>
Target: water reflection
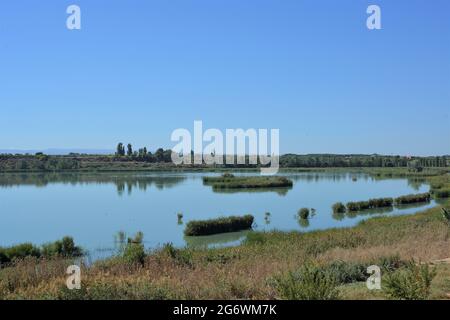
<point>123,181</point>
<point>231,238</point>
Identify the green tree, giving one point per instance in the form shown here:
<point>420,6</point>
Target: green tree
<point>129,150</point>
<point>120,149</point>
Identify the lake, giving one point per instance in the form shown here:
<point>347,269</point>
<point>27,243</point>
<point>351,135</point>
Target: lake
<point>94,207</point>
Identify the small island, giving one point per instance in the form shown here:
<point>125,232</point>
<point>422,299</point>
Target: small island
<point>229,181</point>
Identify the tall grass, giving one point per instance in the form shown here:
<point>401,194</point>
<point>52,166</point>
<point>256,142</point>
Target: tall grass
<point>220,225</point>
<point>413,198</point>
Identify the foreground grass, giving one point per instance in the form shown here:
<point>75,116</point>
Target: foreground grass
<point>243,272</point>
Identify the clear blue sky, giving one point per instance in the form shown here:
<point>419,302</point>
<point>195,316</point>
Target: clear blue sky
<point>137,70</point>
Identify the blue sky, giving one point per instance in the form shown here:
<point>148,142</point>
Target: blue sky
<point>137,70</point>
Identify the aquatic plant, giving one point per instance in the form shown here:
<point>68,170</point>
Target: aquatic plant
<point>219,225</point>
<point>303,213</point>
<point>338,207</point>
<point>413,198</point>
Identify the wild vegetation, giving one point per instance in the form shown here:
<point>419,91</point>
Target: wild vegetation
<point>228,181</point>
<point>219,225</point>
<point>370,204</point>
<point>413,198</point>
<point>127,158</point>
<point>60,248</point>
<point>267,265</point>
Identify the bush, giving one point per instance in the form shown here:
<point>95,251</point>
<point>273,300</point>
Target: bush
<point>303,213</point>
<point>308,283</point>
<point>442,193</point>
<point>134,253</point>
<point>381,202</point>
<point>338,207</point>
<point>180,256</point>
<point>220,225</point>
<point>63,248</point>
<point>232,182</point>
<point>371,204</point>
<point>346,272</point>
<point>19,251</point>
<point>413,198</point>
<point>409,283</point>
<point>357,206</point>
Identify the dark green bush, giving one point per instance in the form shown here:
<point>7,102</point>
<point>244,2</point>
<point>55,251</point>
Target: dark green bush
<point>381,202</point>
<point>232,182</point>
<point>413,198</point>
<point>180,256</point>
<point>310,282</point>
<point>412,282</point>
<point>442,193</point>
<point>19,251</point>
<point>370,204</point>
<point>338,207</point>
<point>303,213</point>
<point>220,225</point>
<point>64,248</point>
<point>346,272</point>
<point>134,253</point>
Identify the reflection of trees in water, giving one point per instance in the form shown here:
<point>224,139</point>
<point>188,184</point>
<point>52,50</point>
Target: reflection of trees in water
<point>416,183</point>
<point>121,180</point>
<point>303,222</point>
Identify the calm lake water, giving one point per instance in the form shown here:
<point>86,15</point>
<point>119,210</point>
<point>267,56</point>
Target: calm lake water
<point>93,208</point>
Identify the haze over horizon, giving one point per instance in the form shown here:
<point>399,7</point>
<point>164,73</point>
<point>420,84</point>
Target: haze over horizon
<point>136,72</point>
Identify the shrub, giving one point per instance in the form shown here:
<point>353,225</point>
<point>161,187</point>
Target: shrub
<point>338,207</point>
<point>19,251</point>
<point>381,202</point>
<point>220,225</point>
<point>413,198</point>
<point>225,182</point>
<point>64,248</point>
<point>442,193</point>
<point>134,253</point>
<point>409,283</point>
<point>303,213</point>
<point>390,263</point>
<point>308,283</point>
<point>346,272</point>
<point>370,204</point>
<point>181,256</point>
